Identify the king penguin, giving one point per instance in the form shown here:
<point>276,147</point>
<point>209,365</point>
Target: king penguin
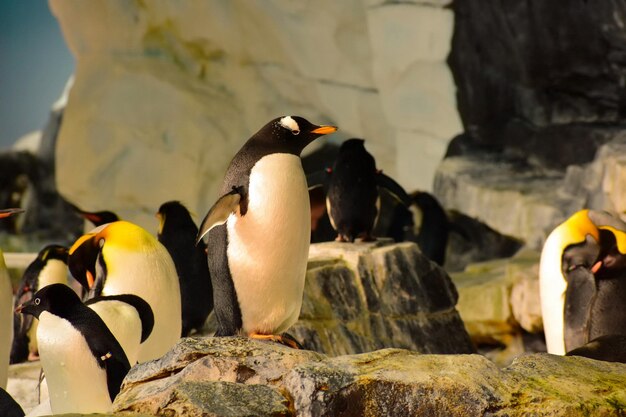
<point>6,310</point>
<point>49,267</point>
<point>177,232</point>
<point>123,258</point>
<point>259,231</point>
<point>83,362</point>
<point>583,281</point>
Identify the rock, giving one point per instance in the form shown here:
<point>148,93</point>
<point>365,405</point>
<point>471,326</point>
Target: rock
<point>366,296</point>
<point>499,304</point>
<point>238,376</point>
<point>531,82</point>
<point>510,197</point>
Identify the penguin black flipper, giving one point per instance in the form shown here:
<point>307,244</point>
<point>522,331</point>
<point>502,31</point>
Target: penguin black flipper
<point>143,309</point>
<point>218,214</point>
<point>394,188</point>
<point>225,302</point>
<point>22,322</point>
<point>610,348</point>
<point>8,406</point>
<point>433,234</point>
<point>580,296</point>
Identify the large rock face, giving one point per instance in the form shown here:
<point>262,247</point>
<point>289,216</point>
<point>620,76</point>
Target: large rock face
<point>165,93</point>
<point>530,80</point>
<point>236,377</point>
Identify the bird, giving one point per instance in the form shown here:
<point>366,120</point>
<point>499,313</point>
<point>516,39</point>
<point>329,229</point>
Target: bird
<point>83,362</point>
<point>352,191</point>
<point>259,231</point>
<point>177,232</point>
<point>582,280</point>
<point>8,406</point>
<point>123,258</point>
<point>98,218</point>
<point>6,309</point>
<point>49,267</point>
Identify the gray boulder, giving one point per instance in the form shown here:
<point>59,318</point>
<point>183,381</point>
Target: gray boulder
<point>367,296</point>
<point>241,377</point>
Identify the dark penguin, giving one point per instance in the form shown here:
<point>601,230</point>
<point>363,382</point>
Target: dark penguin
<point>83,362</point>
<point>610,348</point>
<point>352,191</point>
<point>259,231</point>
<point>583,281</point>
<point>351,199</point>
<point>8,406</point>
<point>177,232</point>
<point>50,267</point>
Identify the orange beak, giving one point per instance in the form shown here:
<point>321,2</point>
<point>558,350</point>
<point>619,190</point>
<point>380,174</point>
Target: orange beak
<point>324,130</point>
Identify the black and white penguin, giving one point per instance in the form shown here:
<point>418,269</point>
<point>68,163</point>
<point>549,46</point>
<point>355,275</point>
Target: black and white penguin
<point>352,191</point>
<point>123,258</point>
<point>177,232</point>
<point>6,309</point>
<point>83,362</point>
<point>49,267</point>
<point>259,231</point>
<point>8,406</point>
<point>583,281</point>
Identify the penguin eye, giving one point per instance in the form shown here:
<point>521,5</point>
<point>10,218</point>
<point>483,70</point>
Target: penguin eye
<point>295,132</point>
<point>37,301</point>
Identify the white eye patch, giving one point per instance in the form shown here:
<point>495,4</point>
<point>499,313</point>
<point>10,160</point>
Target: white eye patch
<point>288,123</point>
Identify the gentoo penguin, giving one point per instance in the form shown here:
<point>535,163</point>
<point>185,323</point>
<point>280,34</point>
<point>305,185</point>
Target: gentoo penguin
<point>583,280</point>
<point>83,362</point>
<point>123,258</point>
<point>128,317</point>
<point>352,191</point>
<point>49,267</point>
<point>259,231</point>
<point>177,232</point>
<point>8,406</point>
<point>6,310</point>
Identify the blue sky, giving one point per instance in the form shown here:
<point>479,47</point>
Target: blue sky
<point>34,67</point>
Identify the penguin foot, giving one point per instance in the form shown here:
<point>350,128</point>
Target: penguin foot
<point>33,356</point>
<point>341,238</point>
<point>367,237</point>
<point>284,339</point>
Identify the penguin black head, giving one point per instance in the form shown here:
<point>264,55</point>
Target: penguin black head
<point>289,134</point>
<point>98,218</point>
<point>53,252</point>
<point>84,257</point>
<point>352,144</point>
<point>54,298</point>
<point>175,215</point>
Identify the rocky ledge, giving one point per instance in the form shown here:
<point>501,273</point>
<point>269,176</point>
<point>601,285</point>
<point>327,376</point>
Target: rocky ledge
<point>238,377</point>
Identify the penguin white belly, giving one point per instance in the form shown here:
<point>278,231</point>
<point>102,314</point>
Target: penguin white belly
<point>268,247</point>
<point>6,321</point>
<point>552,288</point>
<point>76,384</point>
<point>154,279</point>
<point>124,322</point>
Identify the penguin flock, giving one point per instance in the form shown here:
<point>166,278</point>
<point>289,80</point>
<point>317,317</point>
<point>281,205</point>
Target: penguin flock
<point>120,295</point>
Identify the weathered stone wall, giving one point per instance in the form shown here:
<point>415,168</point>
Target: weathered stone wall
<point>165,93</point>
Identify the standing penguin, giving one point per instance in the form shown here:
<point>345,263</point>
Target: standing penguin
<point>83,362</point>
<point>177,232</point>
<point>6,310</point>
<point>352,191</point>
<point>583,281</point>
<point>123,258</point>
<point>259,231</point>
<point>49,267</point>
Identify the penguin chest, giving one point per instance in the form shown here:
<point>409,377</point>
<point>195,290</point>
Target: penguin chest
<point>75,381</point>
<point>268,246</point>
